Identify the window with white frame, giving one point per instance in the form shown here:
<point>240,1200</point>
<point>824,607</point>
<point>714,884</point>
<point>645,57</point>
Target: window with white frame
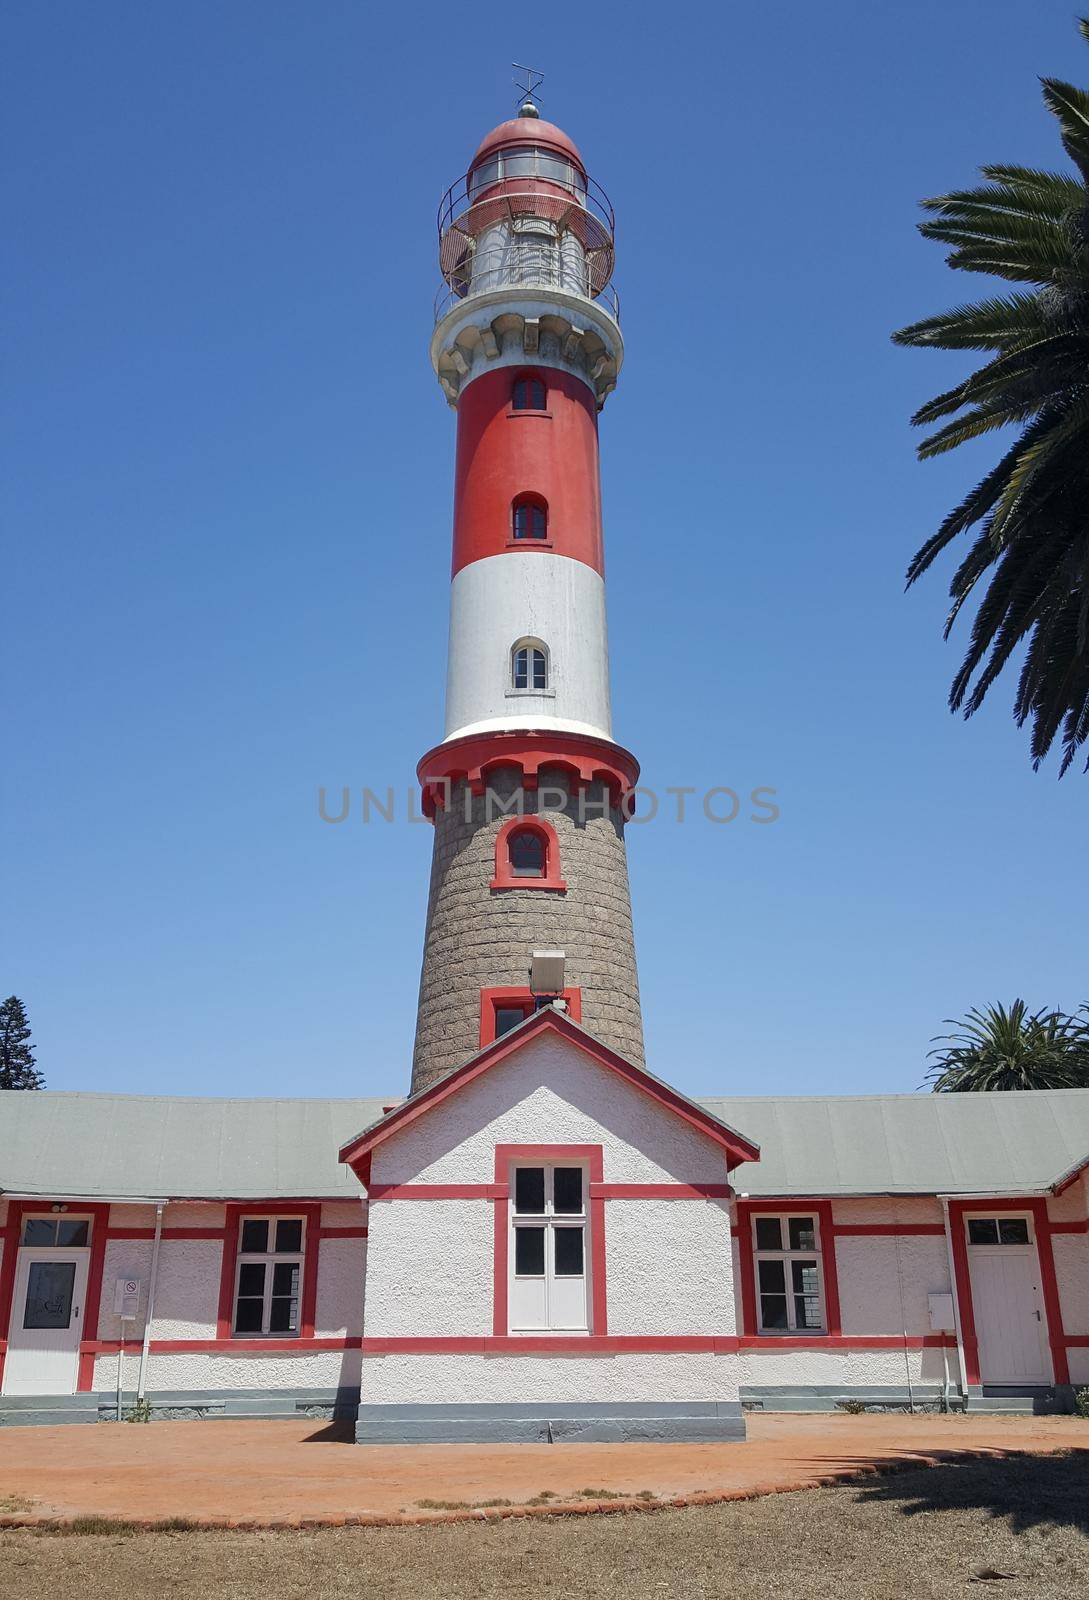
<point>999,1230</point>
<point>549,1248</point>
<point>268,1278</point>
<point>789,1291</point>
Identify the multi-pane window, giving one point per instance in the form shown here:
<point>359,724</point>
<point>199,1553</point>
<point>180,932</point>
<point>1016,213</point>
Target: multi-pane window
<point>530,519</point>
<point>549,1248</point>
<point>998,1230</point>
<point>788,1274</point>
<point>268,1286</point>
<point>526,162</point>
<point>529,667</point>
<point>528,394</point>
<point>56,1233</point>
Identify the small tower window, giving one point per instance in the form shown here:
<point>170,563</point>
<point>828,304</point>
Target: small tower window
<point>529,667</point>
<point>530,518</point>
<point>527,853</point>
<point>528,395</point>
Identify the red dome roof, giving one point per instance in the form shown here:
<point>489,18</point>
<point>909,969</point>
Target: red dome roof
<point>528,130</point>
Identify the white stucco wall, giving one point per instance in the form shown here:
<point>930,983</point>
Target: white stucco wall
<point>665,1264</point>
<point>562,1379</point>
<point>843,1368</point>
<point>198,1371</point>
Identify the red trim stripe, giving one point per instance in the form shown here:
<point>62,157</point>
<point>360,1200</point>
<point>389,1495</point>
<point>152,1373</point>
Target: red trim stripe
<point>102,1347</point>
<point>612,1344</point>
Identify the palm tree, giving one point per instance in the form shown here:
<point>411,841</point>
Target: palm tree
<point>1000,1049</point>
<point>1030,514</point>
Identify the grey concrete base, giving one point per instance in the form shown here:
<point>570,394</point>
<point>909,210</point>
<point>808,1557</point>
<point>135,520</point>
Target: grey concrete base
<point>673,1422</point>
<point>834,1397</point>
<point>1024,1400</point>
<point>47,1410</point>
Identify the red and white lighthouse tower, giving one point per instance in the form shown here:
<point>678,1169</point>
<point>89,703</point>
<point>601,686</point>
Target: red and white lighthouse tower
<point>528,788</point>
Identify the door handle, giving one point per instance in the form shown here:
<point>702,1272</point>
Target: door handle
<point>1036,1314</point>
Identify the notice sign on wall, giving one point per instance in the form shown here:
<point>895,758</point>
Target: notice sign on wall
<point>126,1298</point>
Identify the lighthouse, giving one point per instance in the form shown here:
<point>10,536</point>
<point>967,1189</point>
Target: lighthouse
<point>528,790</point>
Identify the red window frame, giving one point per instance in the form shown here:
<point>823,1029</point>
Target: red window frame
<point>493,1000</point>
<point>750,1321</point>
<point>504,876</point>
<point>308,1297</point>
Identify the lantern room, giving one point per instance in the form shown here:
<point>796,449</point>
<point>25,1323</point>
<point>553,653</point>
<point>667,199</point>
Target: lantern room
<point>526,214</point>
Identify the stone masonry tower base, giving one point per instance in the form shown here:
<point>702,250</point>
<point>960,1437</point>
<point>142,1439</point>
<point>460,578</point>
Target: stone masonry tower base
<point>479,938</point>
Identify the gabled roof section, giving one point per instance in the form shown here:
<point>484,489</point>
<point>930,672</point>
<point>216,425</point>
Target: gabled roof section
<point>357,1152</point>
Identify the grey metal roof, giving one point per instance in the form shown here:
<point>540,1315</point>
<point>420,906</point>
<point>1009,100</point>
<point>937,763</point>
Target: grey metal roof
<point>148,1146</point>
<point>1013,1142</point>
<point>116,1146</point>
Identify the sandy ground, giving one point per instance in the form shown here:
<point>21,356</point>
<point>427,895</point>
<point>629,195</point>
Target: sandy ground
<point>1015,1527</point>
<point>255,1471</point>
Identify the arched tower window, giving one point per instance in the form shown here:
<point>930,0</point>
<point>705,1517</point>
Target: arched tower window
<point>529,665</point>
<point>528,394</point>
<point>530,517</point>
<point>527,855</point>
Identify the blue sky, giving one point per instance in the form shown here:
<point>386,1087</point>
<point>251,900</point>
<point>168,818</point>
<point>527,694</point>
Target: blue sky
<point>228,492</point>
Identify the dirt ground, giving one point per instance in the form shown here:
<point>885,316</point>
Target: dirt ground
<point>1017,1527</point>
<point>265,1472</point>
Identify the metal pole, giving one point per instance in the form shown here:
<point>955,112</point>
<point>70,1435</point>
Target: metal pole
<point>160,1207</point>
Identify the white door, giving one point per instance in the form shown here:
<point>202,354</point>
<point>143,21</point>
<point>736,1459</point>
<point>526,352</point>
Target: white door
<point>46,1322</point>
<point>1008,1304</point>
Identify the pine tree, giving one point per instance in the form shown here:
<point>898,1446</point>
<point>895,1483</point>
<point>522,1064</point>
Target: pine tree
<point>17,1069</point>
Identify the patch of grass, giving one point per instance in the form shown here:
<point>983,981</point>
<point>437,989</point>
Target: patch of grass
<point>11,1503</point>
<point>461,1505</point>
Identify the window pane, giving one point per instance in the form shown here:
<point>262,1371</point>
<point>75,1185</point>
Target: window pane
<point>1013,1230</point>
<point>803,1235</point>
<point>529,1251</point>
<point>289,1236</point>
<point>41,1231</point>
<point>285,1278</point>
<point>519,163</point>
<point>529,1190</point>
<point>568,1252</point>
<point>247,1317</point>
<point>537,522</point>
<point>49,1290</point>
<point>768,1235</point>
<point>567,1190</point>
<point>526,853</point>
<point>982,1230</point>
<point>506,1018</point>
<point>537,395</point>
<point>254,1238</point>
<point>807,1311</point>
<point>283,1316</point>
<point>772,1277</point>
<point>773,1311</point>
<point>72,1235</point>
<point>251,1278</point>
<point>806,1286</point>
<point>540,675</point>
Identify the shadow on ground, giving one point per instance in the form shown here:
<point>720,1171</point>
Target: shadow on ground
<point>1026,1490</point>
<point>332,1433</point>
